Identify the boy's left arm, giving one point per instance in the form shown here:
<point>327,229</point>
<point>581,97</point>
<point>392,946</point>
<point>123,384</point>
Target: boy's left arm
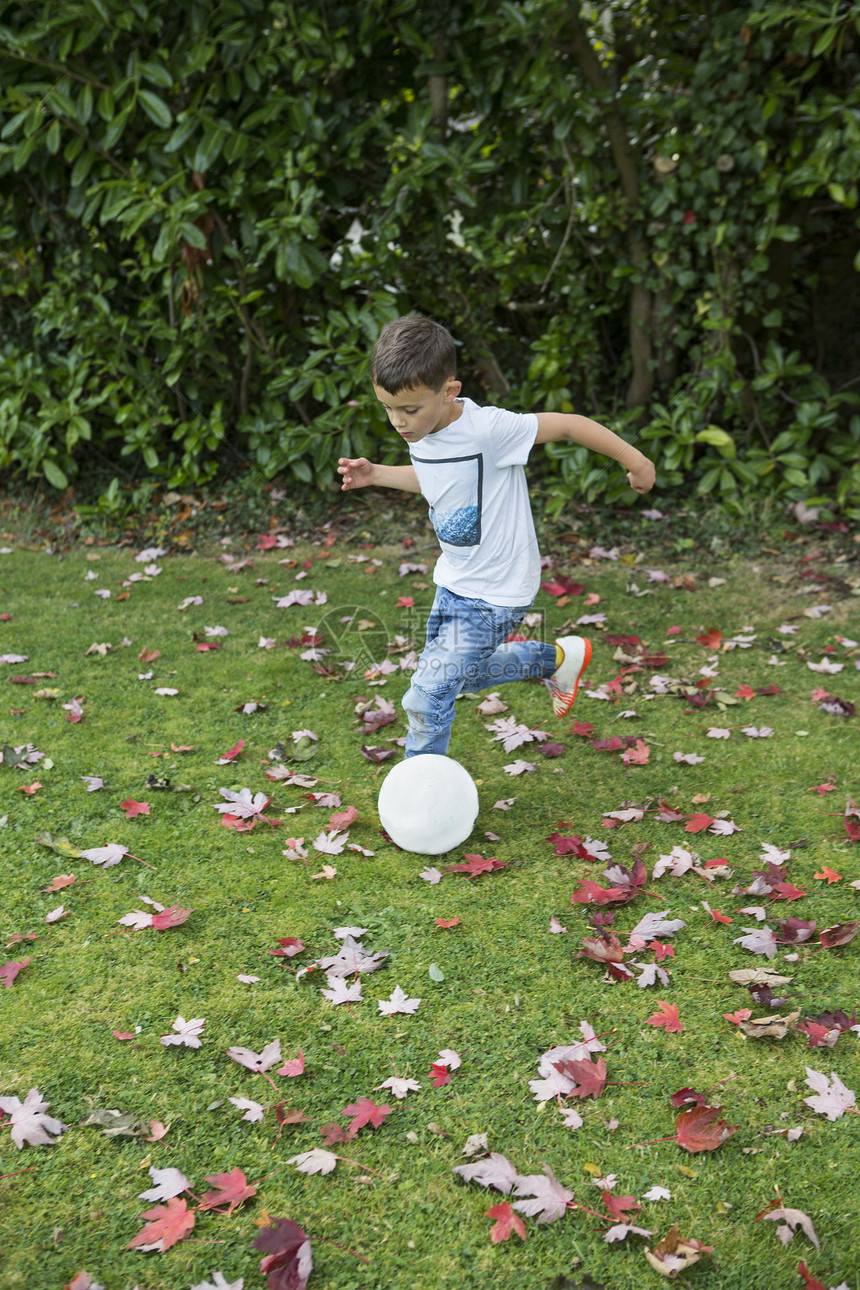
<point>569,427</point>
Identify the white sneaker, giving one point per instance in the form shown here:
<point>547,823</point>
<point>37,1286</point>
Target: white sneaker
<point>563,684</point>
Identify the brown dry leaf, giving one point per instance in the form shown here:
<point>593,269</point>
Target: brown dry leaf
<point>772,1027</point>
<point>674,1254</point>
<point>759,976</point>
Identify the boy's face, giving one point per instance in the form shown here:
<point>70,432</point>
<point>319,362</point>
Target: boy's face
<point>421,411</point>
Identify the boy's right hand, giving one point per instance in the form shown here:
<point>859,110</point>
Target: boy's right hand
<point>356,472</point>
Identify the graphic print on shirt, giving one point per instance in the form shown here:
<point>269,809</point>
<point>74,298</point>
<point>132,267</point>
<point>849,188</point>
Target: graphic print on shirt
<point>456,498</point>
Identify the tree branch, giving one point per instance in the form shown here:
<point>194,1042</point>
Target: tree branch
<point>640,296</point>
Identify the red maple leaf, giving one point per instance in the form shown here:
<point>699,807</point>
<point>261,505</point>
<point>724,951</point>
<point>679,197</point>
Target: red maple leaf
<point>744,692</point>
<point>821,789</point>
<point>295,1066</point>
<point>133,808</point>
<point>364,1111</point>
<point>584,728</point>
<point>637,755</point>
<point>290,946</point>
<point>810,1282</point>
<point>334,1135</point>
<point>852,829</point>
<point>591,893</point>
<point>828,875</point>
<point>742,1014</point>
<point>816,1033</point>
<point>711,638</point>
<point>8,971</point>
<point>232,754</point>
<point>439,1075</point>
<point>476,865</point>
<point>699,1129</point>
<point>618,1207</point>
<point>149,655</point>
<point>667,1016</point>
<point>170,917</point>
<point>287,1261</point>
<point>447,922</point>
<point>562,586</point>
<point>786,891</point>
<point>507,1221</point>
<point>231,1190</point>
<point>569,846</point>
<point>167,1223</point>
<point>688,1095</point>
<point>238,823</point>
<point>698,823</point>
<point>588,1076</point>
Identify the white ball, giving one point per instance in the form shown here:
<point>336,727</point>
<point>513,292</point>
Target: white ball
<point>428,804</point>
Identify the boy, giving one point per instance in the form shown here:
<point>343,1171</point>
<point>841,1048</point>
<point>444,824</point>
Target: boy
<point>468,463</point>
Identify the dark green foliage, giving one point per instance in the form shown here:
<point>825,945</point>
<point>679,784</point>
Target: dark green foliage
<point>643,214</point>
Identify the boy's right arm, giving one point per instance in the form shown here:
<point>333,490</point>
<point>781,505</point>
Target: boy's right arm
<point>358,472</point>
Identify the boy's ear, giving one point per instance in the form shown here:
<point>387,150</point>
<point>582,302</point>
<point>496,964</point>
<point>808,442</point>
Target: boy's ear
<point>452,389</point>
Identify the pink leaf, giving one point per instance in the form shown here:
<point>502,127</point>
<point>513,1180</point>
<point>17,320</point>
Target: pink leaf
<point>295,1066</point>
<point>10,970</point>
<point>364,1112</point>
<point>506,1222</point>
<point>133,808</point>
<point>667,1016</point>
<point>170,917</point>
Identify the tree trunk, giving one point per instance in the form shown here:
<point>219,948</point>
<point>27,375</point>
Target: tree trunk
<point>437,85</point>
<point>641,303</point>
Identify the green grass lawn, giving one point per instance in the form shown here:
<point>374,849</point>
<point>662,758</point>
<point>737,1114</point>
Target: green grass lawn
<point>499,987</point>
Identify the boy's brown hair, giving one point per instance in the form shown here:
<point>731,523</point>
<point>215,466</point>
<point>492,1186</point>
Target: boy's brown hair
<point>413,351</point>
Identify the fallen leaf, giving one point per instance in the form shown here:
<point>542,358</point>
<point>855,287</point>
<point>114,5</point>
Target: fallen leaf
<point>364,1112</point>
<point>287,1261</point>
<point>133,808</point>
<point>674,1253</point>
<point>546,1199</point>
<point>699,1129</point>
<point>231,1189</point>
<point>831,1097</point>
<point>771,1027</point>
<point>790,1220</point>
<point>28,1122</point>
<point>667,1016</point>
<point>494,1170</point>
<point>315,1161</point>
<point>166,1225</point>
<point>506,1222</point>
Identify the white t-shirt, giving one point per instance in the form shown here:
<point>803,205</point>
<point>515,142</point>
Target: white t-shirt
<point>471,473</point>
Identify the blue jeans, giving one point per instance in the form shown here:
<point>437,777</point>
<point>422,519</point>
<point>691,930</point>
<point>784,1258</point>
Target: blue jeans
<point>465,651</point>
